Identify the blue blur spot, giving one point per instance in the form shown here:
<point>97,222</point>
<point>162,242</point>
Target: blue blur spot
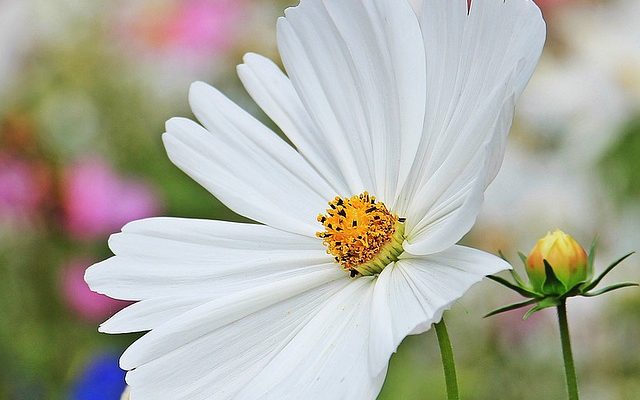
<point>102,380</point>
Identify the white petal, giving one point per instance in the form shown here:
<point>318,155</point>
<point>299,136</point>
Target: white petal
<point>498,144</point>
<point>444,230</point>
<point>246,165</point>
<point>328,358</point>
<point>358,68</point>
<point>148,314</point>
<point>272,90</point>
<point>216,112</point>
<point>230,235</point>
<point>477,66</point>
<point>169,257</point>
<point>444,214</point>
<point>470,57</point>
<point>412,294</point>
<point>216,350</point>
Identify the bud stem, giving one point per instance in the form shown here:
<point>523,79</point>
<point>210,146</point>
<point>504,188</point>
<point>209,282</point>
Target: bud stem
<point>448,363</point>
<point>567,354</point>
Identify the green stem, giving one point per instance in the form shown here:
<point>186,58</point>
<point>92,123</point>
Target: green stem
<point>448,363</point>
<point>569,366</point>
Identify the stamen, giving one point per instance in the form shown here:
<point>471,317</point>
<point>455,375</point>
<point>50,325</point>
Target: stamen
<point>362,234</point>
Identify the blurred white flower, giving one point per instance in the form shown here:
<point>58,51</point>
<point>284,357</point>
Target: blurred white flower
<point>535,193</point>
<point>70,121</point>
<point>15,38</point>
<point>415,111</point>
<point>607,39</point>
<point>60,22</point>
<point>592,88</point>
<point>575,105</point>
<point>579,99</point>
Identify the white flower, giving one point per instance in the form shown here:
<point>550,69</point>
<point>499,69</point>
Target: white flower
<point>413,110</point>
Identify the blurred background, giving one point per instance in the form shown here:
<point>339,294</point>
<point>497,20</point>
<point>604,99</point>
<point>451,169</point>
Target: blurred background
<point>85,88</point>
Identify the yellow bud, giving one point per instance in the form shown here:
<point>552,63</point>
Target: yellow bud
<point>565,256</point>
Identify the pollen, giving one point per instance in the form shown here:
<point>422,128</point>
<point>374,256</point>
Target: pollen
<point>362,234</point>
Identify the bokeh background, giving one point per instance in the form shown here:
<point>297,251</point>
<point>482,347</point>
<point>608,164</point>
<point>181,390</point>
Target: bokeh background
<point>85,88</point>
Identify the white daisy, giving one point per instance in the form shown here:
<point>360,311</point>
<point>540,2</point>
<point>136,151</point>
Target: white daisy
<point>414,110</point>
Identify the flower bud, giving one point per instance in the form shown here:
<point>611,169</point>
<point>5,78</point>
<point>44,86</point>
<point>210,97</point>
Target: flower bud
<point>567,259</point>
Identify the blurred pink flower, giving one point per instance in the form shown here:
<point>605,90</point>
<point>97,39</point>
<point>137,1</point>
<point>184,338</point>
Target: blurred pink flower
<point>22,190</point>
<point>191,27</point>
<point>97,202</point>
<point>83,302</point>
<point>206,24</point>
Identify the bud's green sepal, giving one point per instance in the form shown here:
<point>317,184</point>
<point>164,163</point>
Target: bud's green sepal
<point>558,268</point>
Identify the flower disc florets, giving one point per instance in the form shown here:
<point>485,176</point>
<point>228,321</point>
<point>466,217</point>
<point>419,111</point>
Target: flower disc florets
<point>362,234</point>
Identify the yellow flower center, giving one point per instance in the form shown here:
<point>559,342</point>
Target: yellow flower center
<point>362,234</point>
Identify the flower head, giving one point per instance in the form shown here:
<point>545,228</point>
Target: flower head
<point>399,121</point>
<point>563,254</point>
<point>558,268</point>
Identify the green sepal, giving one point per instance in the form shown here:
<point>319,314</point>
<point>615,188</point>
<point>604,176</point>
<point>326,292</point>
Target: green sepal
<point>520,290</point>
<point>520,281</point>
<point>610,289</point>
<point>589,286</point>
<point>552,285</point>
<point>523,257</point>
<point>575,290</point>
<point>547,302</point>
<point>510,307</point>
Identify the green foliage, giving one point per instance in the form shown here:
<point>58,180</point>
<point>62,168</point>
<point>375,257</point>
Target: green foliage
<point>620,166</point>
